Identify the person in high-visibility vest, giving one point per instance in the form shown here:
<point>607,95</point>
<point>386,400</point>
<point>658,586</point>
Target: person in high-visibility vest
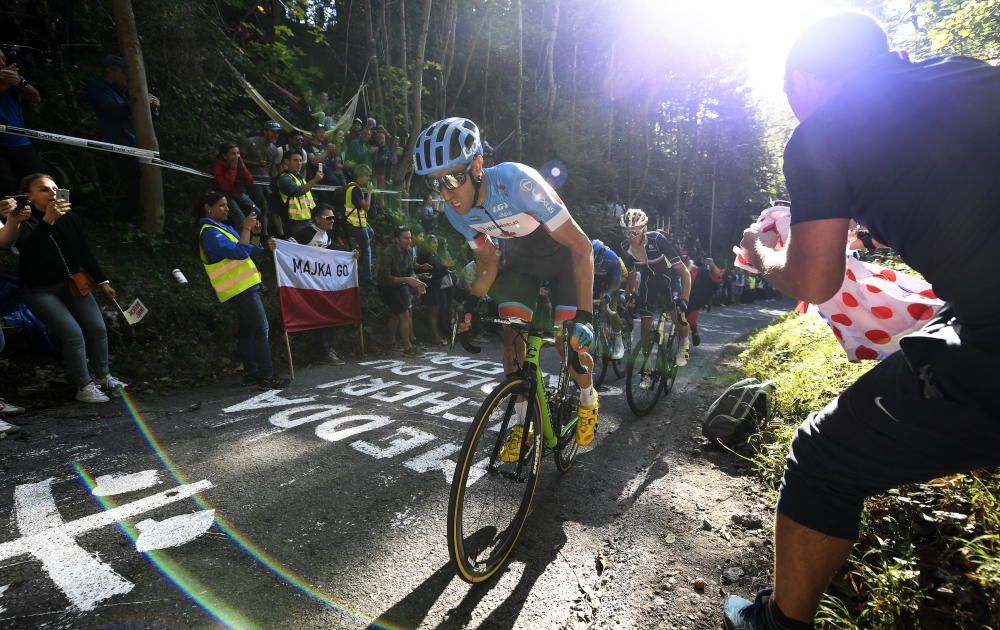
<point>227,257</point>
<point>357,201</point>
<point>294,190</point>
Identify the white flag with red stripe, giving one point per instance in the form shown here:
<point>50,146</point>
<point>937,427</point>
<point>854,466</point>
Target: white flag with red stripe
<point>317,287</point>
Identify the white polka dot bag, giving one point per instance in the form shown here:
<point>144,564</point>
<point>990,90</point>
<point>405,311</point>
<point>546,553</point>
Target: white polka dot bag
<point>873,309</point>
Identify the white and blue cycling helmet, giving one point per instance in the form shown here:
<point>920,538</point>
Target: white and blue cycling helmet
<point>446,144</point>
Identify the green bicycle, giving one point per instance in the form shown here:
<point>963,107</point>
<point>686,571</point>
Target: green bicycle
<point>492,489</point>
<point>652,366</point>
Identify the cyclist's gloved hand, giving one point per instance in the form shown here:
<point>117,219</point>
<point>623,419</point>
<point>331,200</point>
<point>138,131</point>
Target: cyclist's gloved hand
<point>682,304</point>
<point>582,332</point>
<point>622,299</point>
<point>471,306</point>
<point>606,298</point>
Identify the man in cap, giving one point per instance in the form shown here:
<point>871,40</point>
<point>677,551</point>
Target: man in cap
<point>109,98</point>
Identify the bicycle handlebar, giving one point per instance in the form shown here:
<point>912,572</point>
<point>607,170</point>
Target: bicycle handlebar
<point>465,339</point>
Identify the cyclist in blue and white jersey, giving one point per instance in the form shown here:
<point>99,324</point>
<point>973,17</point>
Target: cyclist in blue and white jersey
<point>521,234</point>
<point>609,276</point>
<point>657,259</point>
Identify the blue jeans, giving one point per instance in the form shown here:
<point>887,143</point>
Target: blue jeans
<point>362,237</point>
<point>79,325</point>
<point>253,347</point>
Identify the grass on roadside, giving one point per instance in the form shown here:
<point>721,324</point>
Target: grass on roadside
<point>928,554</point>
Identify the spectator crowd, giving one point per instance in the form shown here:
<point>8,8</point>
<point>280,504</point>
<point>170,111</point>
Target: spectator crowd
<point>316,190</point>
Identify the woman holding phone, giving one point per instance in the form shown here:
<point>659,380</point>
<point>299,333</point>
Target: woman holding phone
<point>57,275</point>
<point>227,257</point>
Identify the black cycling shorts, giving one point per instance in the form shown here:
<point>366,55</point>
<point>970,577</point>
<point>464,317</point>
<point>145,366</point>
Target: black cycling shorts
<point>522,272</point>
<point>655,293</point>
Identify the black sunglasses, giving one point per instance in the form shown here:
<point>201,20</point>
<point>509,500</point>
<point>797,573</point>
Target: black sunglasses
<point>451,181</point>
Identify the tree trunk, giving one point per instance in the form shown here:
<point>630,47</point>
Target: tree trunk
<point>347,51</point>
<point>550,75</point>
<point>518,144</point>
<point>470,53</point>
<point>447,57</point>
<point>403,55</point>
<point>572,100</point>
<point>484,93</point>
<point>150,177</point>
<point>373,60</point>
<point>384,29</point>
<point>416,94</point>
<point>611,110</point>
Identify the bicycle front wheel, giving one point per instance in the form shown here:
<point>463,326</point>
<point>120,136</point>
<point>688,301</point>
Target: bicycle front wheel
<point>642,381</point>
<point>672,348</point>
<point>490,498</point>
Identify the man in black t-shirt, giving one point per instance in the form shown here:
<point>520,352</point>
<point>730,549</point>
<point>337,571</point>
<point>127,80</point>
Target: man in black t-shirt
<point>911,150</point>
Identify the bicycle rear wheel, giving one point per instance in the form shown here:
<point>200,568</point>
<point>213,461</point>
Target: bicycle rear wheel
<point>490,499</point>
<point>642,381</point>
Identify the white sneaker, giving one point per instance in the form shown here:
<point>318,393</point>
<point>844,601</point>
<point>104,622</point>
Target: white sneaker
<point>91,393</point>
<point>619,348</point>
<point>111,384</point>
<point>646,382</point>
<point>7,409</point>
<point>333,359</point>
<point>684,354</point>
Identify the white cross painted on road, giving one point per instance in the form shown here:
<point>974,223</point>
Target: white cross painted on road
<point>79,574</point>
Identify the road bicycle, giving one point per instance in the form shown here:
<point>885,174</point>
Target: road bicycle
<point>492,489</point>
<point>652,366</point>
<point>604,341</point>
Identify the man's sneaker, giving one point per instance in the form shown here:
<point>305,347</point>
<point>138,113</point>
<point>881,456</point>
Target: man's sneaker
<point>332,358</point>
<point>684,354</point>
<point>619,351</point>
<point>91,393</point>
<point>646,382</point>
<point>413,351</point>
<point>586,422</point>
<point>742,614</point>
<point>273,382</point>
<point>8,409</point>
<point>249,381</point>
<point>511,450</point>
<point>111,384</point>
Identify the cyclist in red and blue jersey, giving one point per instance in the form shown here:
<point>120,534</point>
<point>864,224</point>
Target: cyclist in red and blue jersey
<point>657,260</point>
<point>521,234</point>
<point>609,276</point>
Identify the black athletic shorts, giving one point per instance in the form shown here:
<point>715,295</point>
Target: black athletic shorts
<point>926,411</point>
<point>396,297</point>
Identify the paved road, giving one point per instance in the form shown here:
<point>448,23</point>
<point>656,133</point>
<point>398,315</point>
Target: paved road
<point>318,506</point>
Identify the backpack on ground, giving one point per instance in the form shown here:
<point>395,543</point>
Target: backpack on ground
<point>738,413</point>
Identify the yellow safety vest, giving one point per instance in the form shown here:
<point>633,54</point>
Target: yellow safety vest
<point>357,217</point>
<point>299,208</point>
<point>229,277</point>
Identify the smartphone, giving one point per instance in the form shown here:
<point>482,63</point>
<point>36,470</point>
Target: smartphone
<point>62,194</point>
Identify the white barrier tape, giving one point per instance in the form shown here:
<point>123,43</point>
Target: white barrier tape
<point>80,142</point>
<point>144,155</point>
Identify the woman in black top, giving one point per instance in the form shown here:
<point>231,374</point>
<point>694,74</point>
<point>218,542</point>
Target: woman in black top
<point>52,247</point>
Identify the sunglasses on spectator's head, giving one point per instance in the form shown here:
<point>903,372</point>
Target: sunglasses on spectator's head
<point>630,232</point>
<point>451,181</point>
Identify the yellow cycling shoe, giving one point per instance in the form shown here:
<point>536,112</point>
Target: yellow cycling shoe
<point>511,450</point>
<point>586,422</point>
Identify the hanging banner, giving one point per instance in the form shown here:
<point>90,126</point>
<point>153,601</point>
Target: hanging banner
<point>317,288</point>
